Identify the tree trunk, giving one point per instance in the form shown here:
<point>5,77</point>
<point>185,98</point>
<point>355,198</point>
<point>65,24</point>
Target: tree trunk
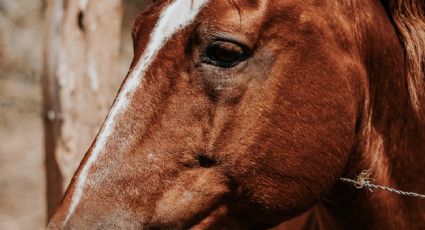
<point>82,40</point>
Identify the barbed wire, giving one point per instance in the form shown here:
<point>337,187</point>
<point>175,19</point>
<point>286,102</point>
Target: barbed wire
<point>363,180</point>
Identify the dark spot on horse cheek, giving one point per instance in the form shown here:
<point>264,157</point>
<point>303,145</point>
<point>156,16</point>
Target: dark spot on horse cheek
<point>80,21</point>
<point>205,161</point>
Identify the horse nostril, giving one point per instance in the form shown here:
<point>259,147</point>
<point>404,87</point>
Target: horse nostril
<point>205,161</point>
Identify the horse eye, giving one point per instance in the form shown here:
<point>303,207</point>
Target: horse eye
<point>224,54</point>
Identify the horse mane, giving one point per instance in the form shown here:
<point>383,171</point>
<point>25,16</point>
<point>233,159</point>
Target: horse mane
<point>408,17</point>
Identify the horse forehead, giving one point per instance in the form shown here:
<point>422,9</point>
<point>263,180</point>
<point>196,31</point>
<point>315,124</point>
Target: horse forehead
<point>219,12</point>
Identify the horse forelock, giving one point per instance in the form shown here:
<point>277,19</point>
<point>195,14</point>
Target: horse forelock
<point>409,19</point>
<point>172,19</point>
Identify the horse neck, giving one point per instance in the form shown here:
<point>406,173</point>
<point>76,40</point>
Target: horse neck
<point>392,139</point>
<point>390,144</point>
<point>392,147</point>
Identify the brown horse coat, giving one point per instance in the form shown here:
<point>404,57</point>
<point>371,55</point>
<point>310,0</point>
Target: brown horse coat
<point>244,114</point>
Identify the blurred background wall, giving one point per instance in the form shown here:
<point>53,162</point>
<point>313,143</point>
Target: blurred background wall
<point>23,194</point>
<point>22,197</point>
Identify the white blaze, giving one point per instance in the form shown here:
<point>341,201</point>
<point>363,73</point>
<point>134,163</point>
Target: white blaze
<point>173,18</point>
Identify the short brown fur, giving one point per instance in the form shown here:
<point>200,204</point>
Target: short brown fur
<point>330,88</point>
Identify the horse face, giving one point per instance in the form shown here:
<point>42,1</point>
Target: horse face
<point>234,114</point>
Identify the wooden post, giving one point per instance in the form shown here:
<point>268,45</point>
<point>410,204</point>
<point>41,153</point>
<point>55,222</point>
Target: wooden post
<point>51,107</point>
<point>82,40</point>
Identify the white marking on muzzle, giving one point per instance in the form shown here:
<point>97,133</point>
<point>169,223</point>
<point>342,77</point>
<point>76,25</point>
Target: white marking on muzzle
<point>173,18</point>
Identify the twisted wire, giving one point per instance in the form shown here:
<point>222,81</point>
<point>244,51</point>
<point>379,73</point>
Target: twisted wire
<point>363,180</point>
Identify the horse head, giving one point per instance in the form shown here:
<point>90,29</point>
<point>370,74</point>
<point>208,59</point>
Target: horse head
<point>234,114</point>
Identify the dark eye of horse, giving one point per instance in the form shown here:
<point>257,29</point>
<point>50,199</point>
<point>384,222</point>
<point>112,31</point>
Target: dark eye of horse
<point>224,54</point>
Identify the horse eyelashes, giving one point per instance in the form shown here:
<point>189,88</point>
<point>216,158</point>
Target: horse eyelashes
<point>224,54</point>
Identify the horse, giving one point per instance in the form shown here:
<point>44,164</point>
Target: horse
<point>242,114</point>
